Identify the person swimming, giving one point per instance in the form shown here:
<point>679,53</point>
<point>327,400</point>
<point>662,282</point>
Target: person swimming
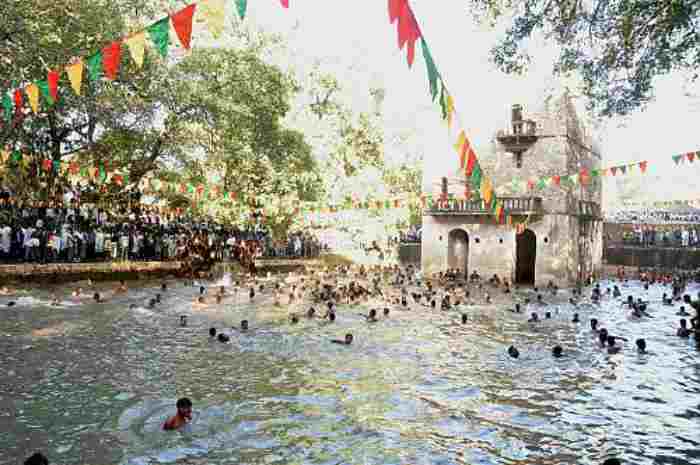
<point>575,319</point>
<point>516,309</point>
<point>616,292</point>
<point>533,318</point>
<point>386,312</point>
<point>152,304</point>
<point>666,300</point>
<point>347,341</point>
<point>465,318</point>
<point>682,312</point>
<point>78,292</point>
<point>97,297</point>
<point>311,312</point>
<point>294,319</point>
<point>612,348</point>
<point>202,290</point>
<point>11,303</point>
<point>548,315</point>
<point>372,317</point>
<point>212,332</point>
<point>158,298</point>
<point>513,352</point>
<point>594,325</point>
<point>557,351</point>
<point>163,287</point>
<point>641,346</point>
<point>251,293</point>
<point>183,321</point>
<point>223,338</point>
<point>183,416</point>
<point>683,331</point>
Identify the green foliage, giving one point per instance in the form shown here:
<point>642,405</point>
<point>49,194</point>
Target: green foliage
<point>618,46</point>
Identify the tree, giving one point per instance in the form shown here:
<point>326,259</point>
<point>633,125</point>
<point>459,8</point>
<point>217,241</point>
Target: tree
<point>617,46</point>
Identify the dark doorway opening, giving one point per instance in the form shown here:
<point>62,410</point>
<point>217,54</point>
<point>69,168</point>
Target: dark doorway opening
<point>458,250</point>
<point>526,255</point>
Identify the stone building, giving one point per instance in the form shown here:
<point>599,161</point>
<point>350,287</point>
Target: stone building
<point>563,236</point>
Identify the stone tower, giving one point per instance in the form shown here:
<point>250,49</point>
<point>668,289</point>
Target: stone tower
<point>562,239</point>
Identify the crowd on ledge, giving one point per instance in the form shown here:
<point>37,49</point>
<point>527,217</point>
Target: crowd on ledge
<point>661,236</point>
<point>73,232</point>
<point>653,217</point>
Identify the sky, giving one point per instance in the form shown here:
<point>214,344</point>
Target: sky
<point>355,41</point>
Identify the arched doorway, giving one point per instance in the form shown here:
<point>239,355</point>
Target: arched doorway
<point>458,250</point>
<point>526,255</point>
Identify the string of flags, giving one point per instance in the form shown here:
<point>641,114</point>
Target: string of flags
<point>106,62</point>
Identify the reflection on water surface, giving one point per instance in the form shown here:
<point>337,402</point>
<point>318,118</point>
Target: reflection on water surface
<point>93,383</point>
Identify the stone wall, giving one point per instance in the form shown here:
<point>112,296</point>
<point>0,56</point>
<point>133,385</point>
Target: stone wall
<point>492,247</point>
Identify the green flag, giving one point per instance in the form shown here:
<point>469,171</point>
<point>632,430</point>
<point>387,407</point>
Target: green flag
<point>443,102</point>
<point>7,106</point>
<point>242,7</point>
<point>16,156</point>
<point>44,88</point>
<point>541,184</point>
<point>94,64</point>
<point>159,33</point>
<point>433,75</point>
<point>476,176</point>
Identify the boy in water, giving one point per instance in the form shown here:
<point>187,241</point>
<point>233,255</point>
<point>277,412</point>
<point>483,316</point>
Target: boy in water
<point>184,414</point>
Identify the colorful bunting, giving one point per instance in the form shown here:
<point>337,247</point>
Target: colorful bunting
<point>242,7</point>
<point>33,93</point>
<point>137,46</point>
<point>52,79</point>
<point>433,75</point>
<point>94,64</point>
<point>182,23</point>
<point>159,32</point>
<point>407,27</point>
<point>215,13</point>
<point>75,75</point>
<point>111,58</point>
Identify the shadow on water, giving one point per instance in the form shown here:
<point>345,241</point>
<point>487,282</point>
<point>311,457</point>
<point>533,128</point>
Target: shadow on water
<point>93,383</point>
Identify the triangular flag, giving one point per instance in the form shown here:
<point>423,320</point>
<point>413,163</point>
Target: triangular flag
<point>541,184</point>
<point>623,169</point>
<point>7,106</point>
<point>182,23</point>
<point>556,180</point>
<point>450,110</point>
<point>94,64</point>
<point>19,100</point>
<point>285,3</point>
<point>613,170</point>
<point>75,75</point>
<point>215,14</point>
<point>33,93</point>
<point>137,45</point>
<point>476,175</point>
<point>530,185</point>
<point>111,58</point>
<point>677,158</point>
<point>471,162</point>
<point>443,100</point>
<point>242,7</point>
<point>44,88</point>
<point>486,190</point>
<point>691,156</point>
<point>52,80</point>
<point>433,74</point>
<point>159,32</point>
<point>459,147</point>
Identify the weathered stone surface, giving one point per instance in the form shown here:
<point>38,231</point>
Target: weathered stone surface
<point>568,245</point>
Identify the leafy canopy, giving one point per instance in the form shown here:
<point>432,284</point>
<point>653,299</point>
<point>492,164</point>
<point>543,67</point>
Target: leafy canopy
<point>617,46</point>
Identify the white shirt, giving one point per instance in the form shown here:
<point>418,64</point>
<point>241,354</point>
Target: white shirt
<point>5,241</point>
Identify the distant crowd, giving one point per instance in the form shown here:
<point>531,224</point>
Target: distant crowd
<point>653,217</point>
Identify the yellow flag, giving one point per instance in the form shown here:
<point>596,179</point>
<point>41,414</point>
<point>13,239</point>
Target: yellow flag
<point>215,15</point>
<point>33,93</point>
<point>75,75</point>
<point>4,156</point>
<point>461,139</point>
<point>450,110</point>
<point>137,45</point>
<point>486,190</point>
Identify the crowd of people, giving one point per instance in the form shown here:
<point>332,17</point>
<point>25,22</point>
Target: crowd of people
<point>52,232</point>
<point>653,216</point>
<point>650,235</point>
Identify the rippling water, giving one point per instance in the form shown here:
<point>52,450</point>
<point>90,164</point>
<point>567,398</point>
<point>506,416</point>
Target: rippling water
<point>92,384</point>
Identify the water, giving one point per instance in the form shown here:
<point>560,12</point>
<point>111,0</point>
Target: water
<point>92,384</point>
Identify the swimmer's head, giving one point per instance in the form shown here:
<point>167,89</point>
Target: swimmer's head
<point>183,320</point>
<point>386,311</point>
<point>244,325</point>
<point>513,352</point>
<point>465,318</point>
<point>163,287</point>
<point>96,297</point>
<point>548,315</point>
<point>331,316</point>
<point>594,324</point>
<point>575,319</point>
<point>158,298</point>
<point>37,459</point>
<point>202,290</point>
<point>348,339</point>
<point>223,338</point>
<point>200,300</point>
<point>641,345</point>
<point>152,303</point>
<point>184,407</point>
<point>373,313</point>
<point>557,351</point>
<point>212,332</point>
<point>11,303</point>
<point>294,319</point>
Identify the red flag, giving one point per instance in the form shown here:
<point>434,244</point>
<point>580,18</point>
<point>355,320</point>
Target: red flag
<point>531,185</point>
<point>53,84</point>
<point>285,3</point>
<point>583,176</point>
<point>182,23</point>
<point>394,10</point>
<point>691,156</point>
<point>643,166</point>
<point>111,58</point>
<point>471,161</point>
<point>408,29</point>
<point>557,180</point>
<point>18,100</point>
<point>47,165</point>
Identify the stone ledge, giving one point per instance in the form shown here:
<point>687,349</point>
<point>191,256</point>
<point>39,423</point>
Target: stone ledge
<point>31,269</point>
